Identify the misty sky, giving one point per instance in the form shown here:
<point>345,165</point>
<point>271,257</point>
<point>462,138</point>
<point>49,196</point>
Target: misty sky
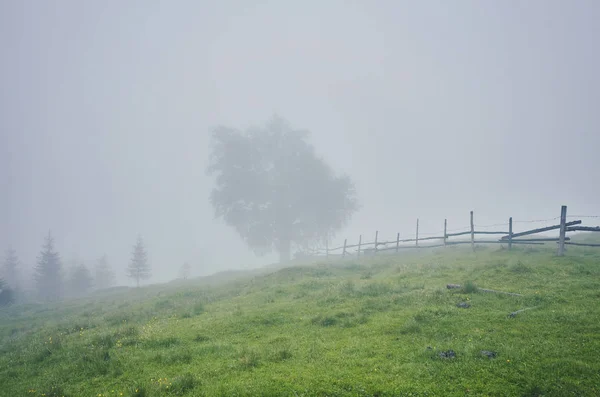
<point>435,108</point>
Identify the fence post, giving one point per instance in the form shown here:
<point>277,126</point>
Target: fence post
<point>445,234</point>
<point>417,236</point>
<point>344,252</point>
<point>359,244</point>
<point>472,233</point>
<point>376,235</point>
<point>563,231</point>
<point>510,233</point>
<point>397,241</point>
<point>327,248</point>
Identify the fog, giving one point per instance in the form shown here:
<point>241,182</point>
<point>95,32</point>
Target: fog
<point>434,108</point>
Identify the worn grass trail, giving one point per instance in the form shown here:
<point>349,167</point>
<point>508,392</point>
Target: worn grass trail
<point>369,328</point>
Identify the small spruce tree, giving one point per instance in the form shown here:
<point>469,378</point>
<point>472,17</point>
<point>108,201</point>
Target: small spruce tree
<point>48,272</point>
<point>104,275</point>
<point>6,294</point>
<point>10,268</point>
<point>186,270</point>
<point>139,269</point>
<point>80,282</point>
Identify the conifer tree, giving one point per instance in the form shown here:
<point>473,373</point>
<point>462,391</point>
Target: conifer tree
<point>10,268</point>
<point>6,294</point>
<point>186,269</point>
<point>104,275</point>
<point>48,272</point>
<point>139,269</point>
<point>80,282</point>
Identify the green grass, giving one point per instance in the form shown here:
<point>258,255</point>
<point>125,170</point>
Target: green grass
<point>375,327</point>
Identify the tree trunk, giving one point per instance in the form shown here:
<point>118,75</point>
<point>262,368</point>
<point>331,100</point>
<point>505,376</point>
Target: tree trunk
<point>285,251</point>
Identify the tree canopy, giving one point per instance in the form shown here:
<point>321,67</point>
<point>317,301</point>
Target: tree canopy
<point>273,188</point>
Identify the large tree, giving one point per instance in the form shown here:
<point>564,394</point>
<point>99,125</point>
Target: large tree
<point>48,272</point>
<point>10,268</point>
<point>139,269</point>
<point>104,275</point>
<point>275,190</point>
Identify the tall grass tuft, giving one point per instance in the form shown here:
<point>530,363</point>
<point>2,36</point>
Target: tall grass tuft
<point>520,268</point>
<point>183,384</point>
<point>469,287</point>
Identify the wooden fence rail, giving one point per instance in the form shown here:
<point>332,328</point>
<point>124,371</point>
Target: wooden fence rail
<point>541,230</point>
<point>583,229</point>
<point>584,244</point>
<point>509,238</point>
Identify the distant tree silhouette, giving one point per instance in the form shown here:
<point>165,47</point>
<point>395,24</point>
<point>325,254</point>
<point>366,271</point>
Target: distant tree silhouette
<point>139,269</point>
<point>6,294</point>
<point>80,282</point>
<point>104,275</point>
<point>186,269</point>
<point>275,190</point>
<point>10,268</point>
<point>48,272</point>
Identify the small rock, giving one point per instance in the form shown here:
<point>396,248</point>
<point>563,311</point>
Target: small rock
<point>448,354</point>
<point>489,354</point>
<point>463,305</point>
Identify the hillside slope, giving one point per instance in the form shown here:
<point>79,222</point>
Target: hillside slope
<point>383,326</point>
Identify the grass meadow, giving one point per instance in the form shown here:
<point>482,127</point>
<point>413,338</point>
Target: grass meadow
<point>378,326</point>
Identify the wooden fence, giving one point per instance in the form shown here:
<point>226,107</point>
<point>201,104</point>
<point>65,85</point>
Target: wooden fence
<point>508,237</point>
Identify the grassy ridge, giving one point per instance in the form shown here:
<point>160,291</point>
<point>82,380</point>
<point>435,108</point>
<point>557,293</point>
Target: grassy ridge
<point>369,328</point>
